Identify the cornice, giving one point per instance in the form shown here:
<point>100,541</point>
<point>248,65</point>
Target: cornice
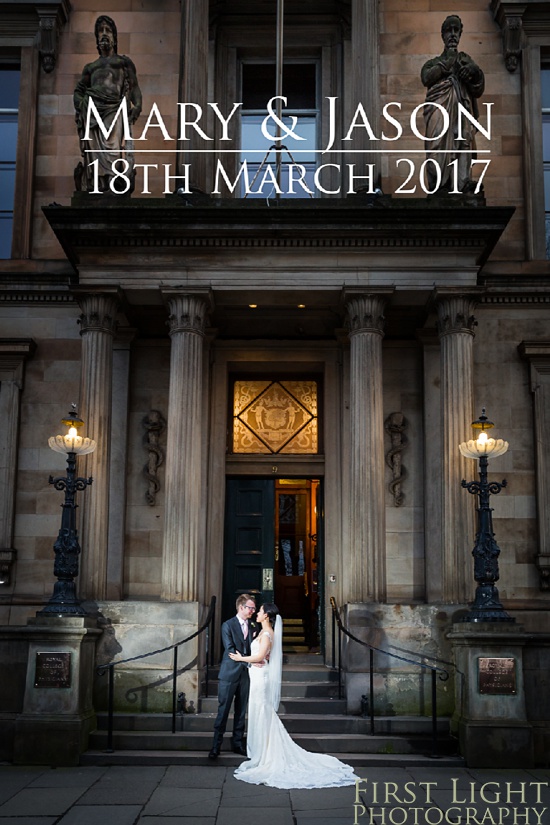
<point>515,298</point>
<point>169,224</point>
<point>22,298</point>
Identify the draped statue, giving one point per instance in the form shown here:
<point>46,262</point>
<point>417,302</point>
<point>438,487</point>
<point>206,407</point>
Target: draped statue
<point>451,78</point>
<point>106,81</point>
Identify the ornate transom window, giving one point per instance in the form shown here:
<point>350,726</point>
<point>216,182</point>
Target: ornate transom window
<point>275,417</point>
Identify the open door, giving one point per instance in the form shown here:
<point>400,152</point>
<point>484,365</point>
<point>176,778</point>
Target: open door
<point>273,549</point>
<point>296,554</point>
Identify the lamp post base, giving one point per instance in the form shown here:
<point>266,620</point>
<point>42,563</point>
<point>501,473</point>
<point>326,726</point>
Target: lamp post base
<point>63,601</point>
<point>487,606</point>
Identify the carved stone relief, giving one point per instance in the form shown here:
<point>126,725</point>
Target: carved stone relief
<point>395,425</point>
<point>155,425</point>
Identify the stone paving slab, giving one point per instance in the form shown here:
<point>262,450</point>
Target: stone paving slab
<point>112,791</point>
<point>313,816</point>
<point>242,816</point>
<point>323,799</point>
<point>181,776</point>
<point>101,815</point>
<point>27,820</point>
<point>321,820</point>
<point>177,820</point>
<point>13,780</point>
<point>188,802</point>
<point>46,801</point>
<point>210,795</point>
<point>67,777</point>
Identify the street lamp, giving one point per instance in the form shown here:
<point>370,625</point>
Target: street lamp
<point>63,601</point>
<point>486,606</point>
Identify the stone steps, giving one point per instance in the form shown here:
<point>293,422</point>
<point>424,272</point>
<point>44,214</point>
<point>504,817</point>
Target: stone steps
<point>310,710</point>
<point>310,722</point>
<point>318,742</point>
<point>291,704</point>
<point>231,760</point>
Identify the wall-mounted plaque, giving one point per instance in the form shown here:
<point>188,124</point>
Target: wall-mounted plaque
<point>52,670</point>
<point>497,675</point>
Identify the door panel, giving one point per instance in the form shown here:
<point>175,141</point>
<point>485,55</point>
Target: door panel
<point>274,548</point>
<point>249,541</point>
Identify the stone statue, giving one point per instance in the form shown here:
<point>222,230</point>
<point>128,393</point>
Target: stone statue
<point>107,81</point>
<point>451,78</point>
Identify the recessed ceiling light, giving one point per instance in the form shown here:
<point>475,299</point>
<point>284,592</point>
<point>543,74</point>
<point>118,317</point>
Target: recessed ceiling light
<point>253,306</point>
<point>301,306</point>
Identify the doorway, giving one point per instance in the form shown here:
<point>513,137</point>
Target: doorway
<point>273,550</point>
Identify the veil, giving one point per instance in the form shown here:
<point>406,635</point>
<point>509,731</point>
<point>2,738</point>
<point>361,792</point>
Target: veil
<point>275,668</point>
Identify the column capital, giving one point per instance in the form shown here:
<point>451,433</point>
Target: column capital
<point>455,312</point>
<point>99,310</point>
<point>187,310</point>
<point>366,310</point>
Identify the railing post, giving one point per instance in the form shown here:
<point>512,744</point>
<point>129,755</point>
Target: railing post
<point>110,700</point>
<point>434,716</point>
<point>212,626</point>
<point>339,662</point>
<point>333,636</point>
<point>174,694</point>
<point>207,676</point>
<point>371,685</point>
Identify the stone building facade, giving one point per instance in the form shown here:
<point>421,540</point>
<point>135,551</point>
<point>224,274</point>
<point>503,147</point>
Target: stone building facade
<point>315,359</point>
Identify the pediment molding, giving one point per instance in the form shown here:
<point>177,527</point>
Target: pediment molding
<point>28,22</point>
<point>519,20</point>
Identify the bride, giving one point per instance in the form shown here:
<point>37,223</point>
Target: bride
<point>274,759</point>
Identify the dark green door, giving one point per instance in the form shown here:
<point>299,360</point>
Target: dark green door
<point>249,541</point>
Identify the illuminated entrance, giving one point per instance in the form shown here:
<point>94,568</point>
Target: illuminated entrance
<point>273,550</point>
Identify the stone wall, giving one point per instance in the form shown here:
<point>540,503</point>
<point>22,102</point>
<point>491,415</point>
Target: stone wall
<point>410,632</point>
<point>150,36</point>
<point>132,628</point>
<point>51,383</point>
<point>149,382</point>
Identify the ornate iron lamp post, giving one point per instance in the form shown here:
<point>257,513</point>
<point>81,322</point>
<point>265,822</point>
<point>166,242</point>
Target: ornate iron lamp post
<point>486,606</point>
<point>63,601</point>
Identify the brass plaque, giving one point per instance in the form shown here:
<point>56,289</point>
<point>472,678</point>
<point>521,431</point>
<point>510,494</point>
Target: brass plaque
<point>497,675</point>
<point>52,670</point>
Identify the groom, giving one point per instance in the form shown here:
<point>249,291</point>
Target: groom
<point>237,634</point>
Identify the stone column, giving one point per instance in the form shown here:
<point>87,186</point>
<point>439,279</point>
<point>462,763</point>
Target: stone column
<point>98,326</point>
<point>538,355</point>
<point>194,87</point>
<point>367,562</point>
<point>183,497</point>
<point>456,324</point>
<point>13,354</point>
<point>432,463</point>
<point>118,466</point>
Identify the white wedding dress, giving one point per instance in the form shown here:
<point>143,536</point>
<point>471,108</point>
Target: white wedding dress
<point>274,759</point>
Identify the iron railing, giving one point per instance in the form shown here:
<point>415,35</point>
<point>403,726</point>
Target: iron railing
<point>435,669</point>
<point>207,625</point>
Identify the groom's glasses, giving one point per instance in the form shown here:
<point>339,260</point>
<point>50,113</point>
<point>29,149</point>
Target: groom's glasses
<point>250,607</point>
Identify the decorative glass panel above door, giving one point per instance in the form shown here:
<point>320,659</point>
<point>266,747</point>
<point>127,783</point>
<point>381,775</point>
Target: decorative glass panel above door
<point>275,417</point>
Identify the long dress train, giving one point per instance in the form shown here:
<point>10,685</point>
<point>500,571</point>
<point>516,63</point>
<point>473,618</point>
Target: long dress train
<point>274,759</point>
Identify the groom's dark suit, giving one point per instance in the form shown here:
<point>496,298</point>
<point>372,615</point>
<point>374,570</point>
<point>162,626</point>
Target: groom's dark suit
<point>233,682</point>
